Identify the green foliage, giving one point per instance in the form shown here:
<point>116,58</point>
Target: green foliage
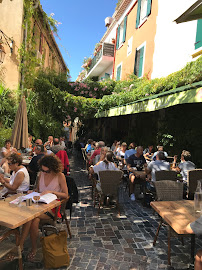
<point>7,107</point>
<point>5,134</point>
<point>134,88</point>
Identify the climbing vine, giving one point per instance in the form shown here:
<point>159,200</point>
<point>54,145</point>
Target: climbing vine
<point>27,52</point>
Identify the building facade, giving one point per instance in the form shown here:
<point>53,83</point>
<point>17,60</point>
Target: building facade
<point>13,34</point>
<point>148,42</point>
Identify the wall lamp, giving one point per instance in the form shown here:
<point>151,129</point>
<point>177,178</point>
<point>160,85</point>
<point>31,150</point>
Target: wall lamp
<point>4,39</point>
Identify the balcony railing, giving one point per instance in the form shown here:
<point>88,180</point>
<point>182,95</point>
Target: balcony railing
<point>107,50</point>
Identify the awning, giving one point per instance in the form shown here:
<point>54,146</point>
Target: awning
<point>181,95</point>
<point>192,13</point>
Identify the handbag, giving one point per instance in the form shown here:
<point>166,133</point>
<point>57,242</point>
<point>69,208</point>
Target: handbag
<point>54,247</point>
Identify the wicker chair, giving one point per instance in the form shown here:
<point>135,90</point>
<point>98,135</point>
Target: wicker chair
<point>192,177</point>
<point>110,181</point>
<point>166,175</point>
<point>6,247</point>
<point>167,190</point>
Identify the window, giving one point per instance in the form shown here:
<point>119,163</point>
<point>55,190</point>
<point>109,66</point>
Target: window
<point>130,44</point>
<point>121,33</point>
<point>118,73</point>
<point>143,11</point>
<point>139,61</point>
<point>198,42</point>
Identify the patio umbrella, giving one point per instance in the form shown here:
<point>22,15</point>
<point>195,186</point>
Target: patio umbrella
<point>20,130</point>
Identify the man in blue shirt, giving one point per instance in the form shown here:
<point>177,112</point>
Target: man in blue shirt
<point>130,152</point>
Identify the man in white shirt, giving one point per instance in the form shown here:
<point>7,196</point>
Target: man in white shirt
<point>158,165</point>
<point>185,164</point>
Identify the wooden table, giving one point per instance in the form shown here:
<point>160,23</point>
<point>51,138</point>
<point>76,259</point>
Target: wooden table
<point>177,214</point>
<point>13,216</point>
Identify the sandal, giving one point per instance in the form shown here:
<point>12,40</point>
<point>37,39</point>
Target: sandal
<point>31,256</point>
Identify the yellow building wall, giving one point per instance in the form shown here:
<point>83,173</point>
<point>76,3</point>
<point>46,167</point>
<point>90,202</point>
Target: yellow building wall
<point>146,33</point>
<point>11,18</point>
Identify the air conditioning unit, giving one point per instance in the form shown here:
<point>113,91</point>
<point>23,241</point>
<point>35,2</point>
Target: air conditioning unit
<point>39,55</point>
<point>108,21</point>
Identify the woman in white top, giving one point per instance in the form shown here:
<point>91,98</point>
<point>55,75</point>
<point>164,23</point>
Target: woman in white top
<point>19,180</point>
<point>5,152</point>
<point>106,164</point>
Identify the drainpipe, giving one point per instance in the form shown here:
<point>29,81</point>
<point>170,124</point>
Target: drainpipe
<point>114,55</point>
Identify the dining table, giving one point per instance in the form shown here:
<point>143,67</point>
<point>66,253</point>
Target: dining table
<point>177,214</point>
<point>13,216</point>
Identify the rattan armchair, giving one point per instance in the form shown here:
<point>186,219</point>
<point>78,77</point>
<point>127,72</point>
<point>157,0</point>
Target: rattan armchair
<point>166,175</point>
<point>167,190</point>
<point>192,177</point>
<point>110,182</point>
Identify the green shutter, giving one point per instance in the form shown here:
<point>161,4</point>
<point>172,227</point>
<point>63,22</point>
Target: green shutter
<point>107,75</point>
<point>124,29</point>
<point>140,71</point>
<point>118,73</point>
<point>149,7</point>
<point>198,42</point>
<point>118,36</point>
<point>135,67</point>
<point>138,14</point>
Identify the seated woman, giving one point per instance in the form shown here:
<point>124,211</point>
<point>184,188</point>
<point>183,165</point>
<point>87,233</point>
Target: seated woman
<point>19,180</point>
<point>5,152</point>
<point>106,164</point>
<point>51,180</point>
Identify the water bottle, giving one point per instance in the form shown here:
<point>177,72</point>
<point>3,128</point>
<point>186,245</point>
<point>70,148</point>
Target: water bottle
<point>198,198</point>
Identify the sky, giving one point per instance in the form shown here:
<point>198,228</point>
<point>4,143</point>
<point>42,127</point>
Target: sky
<point>82,27</point>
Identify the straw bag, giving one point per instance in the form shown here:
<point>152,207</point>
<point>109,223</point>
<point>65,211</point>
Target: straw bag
<point>54,247</point>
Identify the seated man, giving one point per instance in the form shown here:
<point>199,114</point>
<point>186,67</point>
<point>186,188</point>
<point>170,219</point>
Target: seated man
<point>159,148</point>
<point>196,227</point>
<point>33,167</point>
<point>136,163</point>
<point>98,145</point>
<point>130,152</point>
<point>101,156</point>
<point>49,143</point>
<point>158,165</point>
<point>185,165</point>
<point>148,153</point>
<point>56,147</point>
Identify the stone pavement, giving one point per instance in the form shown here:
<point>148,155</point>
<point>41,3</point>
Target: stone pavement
<point>111,242</point>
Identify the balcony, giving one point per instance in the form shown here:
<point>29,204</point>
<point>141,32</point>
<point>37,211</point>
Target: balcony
<point>103,59</point>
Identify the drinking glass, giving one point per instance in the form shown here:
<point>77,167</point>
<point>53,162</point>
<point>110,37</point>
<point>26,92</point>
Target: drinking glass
<point>36,198</point>
<point>20,194</point>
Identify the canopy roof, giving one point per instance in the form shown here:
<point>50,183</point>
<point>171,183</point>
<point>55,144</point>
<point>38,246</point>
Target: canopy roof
<point>181,95</point>
<point>192,13</point>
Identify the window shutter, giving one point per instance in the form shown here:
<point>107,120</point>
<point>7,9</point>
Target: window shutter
<point>149,7</point>
<point>198,42</point>
<point>136,64</point>
<point>138,13</point>
<point>118,73</point>
<point>124,29</point>
<point>140,71</point>
<point>118,36</point>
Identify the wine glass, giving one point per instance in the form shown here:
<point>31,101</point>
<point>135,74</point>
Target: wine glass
<point>36,198</point>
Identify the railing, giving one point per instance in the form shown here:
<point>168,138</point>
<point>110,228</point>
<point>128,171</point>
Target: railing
<point>107,50</point>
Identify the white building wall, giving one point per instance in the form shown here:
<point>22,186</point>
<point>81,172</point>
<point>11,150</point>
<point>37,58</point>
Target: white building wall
<point>112,34</point>
<point>108,70</point>
<point>174,43</point>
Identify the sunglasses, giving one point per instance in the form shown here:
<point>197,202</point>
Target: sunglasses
<point>48,171</point>
<point>10,163</point>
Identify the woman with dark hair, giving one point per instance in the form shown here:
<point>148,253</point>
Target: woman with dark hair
<point>19,180</point>
<point>51,180</point>
<point>106,164</point>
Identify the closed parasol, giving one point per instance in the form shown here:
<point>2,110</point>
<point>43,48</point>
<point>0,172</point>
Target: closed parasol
<point>20,130</point>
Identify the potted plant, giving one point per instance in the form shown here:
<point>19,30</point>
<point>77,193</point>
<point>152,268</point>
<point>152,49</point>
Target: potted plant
<point>98,47</point>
